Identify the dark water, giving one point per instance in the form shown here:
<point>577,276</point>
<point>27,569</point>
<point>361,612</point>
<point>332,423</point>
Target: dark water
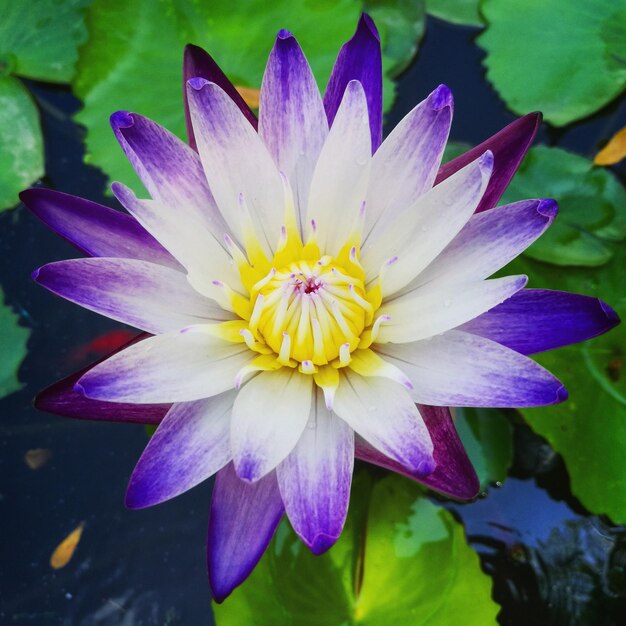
<point>551,562</point>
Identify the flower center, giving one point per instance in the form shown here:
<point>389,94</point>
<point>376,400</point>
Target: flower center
<point>310,312</point>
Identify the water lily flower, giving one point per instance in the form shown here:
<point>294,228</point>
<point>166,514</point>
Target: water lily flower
<point>308,293</point>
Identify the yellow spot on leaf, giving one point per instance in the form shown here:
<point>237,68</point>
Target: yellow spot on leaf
<point>37,457</point>
<point>250,95</point>
<point>614,151</point>
<point>65,550</point>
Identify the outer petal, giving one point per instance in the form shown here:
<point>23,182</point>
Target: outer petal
<point>359,59</point>
<point>413,239</point>
<point>242,522</point>
<point>170,170</point>
<point>315,478</point>
<point>94,229</point>
<point>340,178</point>
<point>508,146</point>
<point>187,238</point>
<point>190,444</point>
<point>236,163</point>
<point>431,309</point>
<point>269,415</point>
<point>198,63</point>
<point>404,167</point>
<point>292,122</point>
<point>535,320</point>
<point>459,369</point>
<point>60,398</point>
<point>382,412</point>
<point>174,367</point>
<point>489,241</point>
<point>454,475</point>
<point>151,297</point>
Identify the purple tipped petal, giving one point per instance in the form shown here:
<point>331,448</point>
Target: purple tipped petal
<point>460,369</point>
<point>242,522</point>
<point>150,297</point>
<point>189,446</point>
<point>199,63</point>
<point>509,147</point>
<point>489,241</point>
<point>381,411</point>
<point>405,166</point>
<point>453,476</point>
<point>94,229</point>
<point>170,170</point>
<point>359,59</point>
<point>292,122</point>
<point>536,320</point>
<point>315,478</point>
<point>60,398</point>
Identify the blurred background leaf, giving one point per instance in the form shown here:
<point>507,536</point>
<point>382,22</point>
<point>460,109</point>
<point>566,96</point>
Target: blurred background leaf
<point>403,560</point>
<point>566,59</point>
<point>463,12</point>
<point>13,338</point>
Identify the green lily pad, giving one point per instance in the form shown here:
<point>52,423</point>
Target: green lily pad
<point>487,436</point>
<point>21,144</point>
<point>133,59</point>
<point>592,206</point>
<point>40,39</point>
<point>463,12</point>
<point>410,565</point>
<point>567,59</point>
<point>13,338</point>
<point>589,429</point>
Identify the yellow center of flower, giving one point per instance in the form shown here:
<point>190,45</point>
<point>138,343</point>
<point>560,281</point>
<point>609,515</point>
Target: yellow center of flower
<point>311,312</point>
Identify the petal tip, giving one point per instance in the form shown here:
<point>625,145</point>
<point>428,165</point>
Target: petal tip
<point>561,395</point>
<point>35,274</point>
<point>367,26</point>
<point>321,543</point>
<point>248,469</point>
<point>612,317</point>
<point>548,208</point>
<point>284,34</point>
<point>122,119</point>
<point>441,98</point>
<point>486,162</point>
<point>80,388</point>
<point>197,83</point>
<point>426,467</point>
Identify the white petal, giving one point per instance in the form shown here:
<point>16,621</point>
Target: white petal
<point>431,309</point>
<point>382,412</point>
<point>424,229</point>
<point>340,178</point>
<point>269,415</point>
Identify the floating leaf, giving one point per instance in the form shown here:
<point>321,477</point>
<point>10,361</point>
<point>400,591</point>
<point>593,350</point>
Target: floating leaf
<point>464,12</point>
<point>36,458</point>
<point>13,338</point>
<point>414,567</point>
<point>487,436</point>
<point>40,39</point>
<point>589,429</point>
<point>65,550</point>
<point>614,151</point>
<point>567,59</point>
<point>592,206</point>
<point>129,40</point>
<point>21,144</point>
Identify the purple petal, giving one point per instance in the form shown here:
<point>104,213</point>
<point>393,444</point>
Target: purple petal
<point>190,445</point>
<point>60,398</point>
<point>359,59</point>
<point>292,122</point>
<point>535,320</point>
<point>94,229</point>
<point>242,522</point>
<point>460,369</point>
<point>509,147</point>
<point>315,478</point>
<point>150,297</point>
<point>489,241</point>
<point>453,476</point>
<point>198,63</point>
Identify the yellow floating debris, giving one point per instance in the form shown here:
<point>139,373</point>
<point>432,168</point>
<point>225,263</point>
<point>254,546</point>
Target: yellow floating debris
<point>65,550</point>
<point>36,458</point>
<point>250,95</point>
<point>614,151</point>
